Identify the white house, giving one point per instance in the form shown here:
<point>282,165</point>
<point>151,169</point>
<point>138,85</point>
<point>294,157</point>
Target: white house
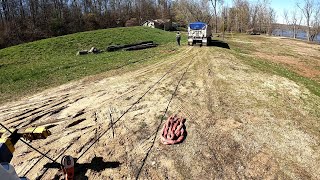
<point>164,24</point>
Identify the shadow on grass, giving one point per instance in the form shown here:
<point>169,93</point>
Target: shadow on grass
<point>97,164</point>
<point>218,43</point>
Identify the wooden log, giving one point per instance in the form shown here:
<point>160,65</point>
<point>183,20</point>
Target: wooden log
<point>139,47</point>
<point>119,47</point>
<point>82,52</point>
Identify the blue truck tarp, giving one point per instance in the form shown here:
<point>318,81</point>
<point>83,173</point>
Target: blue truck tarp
<point>197,25</point>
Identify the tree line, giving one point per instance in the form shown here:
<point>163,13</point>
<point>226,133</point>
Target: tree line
<point>29,20</point>
<point>307,11</point>
<point>240,17</point>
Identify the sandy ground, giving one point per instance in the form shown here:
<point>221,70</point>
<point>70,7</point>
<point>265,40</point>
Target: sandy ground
<point>241,123</point>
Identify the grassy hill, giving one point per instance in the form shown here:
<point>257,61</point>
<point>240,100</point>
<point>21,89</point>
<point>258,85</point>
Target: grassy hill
<point>30,67</point>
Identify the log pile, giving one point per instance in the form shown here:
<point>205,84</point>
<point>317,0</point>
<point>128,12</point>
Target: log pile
<point>131,47</point>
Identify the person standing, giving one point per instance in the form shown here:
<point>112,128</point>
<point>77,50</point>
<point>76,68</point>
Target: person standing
<point>178,36</point>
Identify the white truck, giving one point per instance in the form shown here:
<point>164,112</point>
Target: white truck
<point>199,32</point>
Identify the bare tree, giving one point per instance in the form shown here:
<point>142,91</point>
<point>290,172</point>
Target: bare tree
<point>286,20</point>
<point>286,17</point>
<point>264,15</point>
<point>307,8</point>
<point>191,10</point>
<point>315,25</point>
<point>296,22</point>
<point>29,20</point>
<point>241,11</point>
<point>270,20</point>
<point>214,5</point>
<point>224,21</point>
<point>254,9</point>
<point>293,21</point>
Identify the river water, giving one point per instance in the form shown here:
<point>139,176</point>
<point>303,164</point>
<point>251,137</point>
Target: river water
<point>288,33</point>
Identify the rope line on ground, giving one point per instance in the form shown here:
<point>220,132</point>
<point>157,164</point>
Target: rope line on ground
<point>30,145</point>
<point>136,102</point>
<point>162,118</point>
<point>40,158</point>
<point>110,126</point>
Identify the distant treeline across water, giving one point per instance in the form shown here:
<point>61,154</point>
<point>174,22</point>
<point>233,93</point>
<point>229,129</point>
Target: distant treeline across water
<point>289,33</point>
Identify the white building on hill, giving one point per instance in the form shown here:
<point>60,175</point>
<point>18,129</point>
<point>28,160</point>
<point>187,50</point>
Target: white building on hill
<point>164,24</point>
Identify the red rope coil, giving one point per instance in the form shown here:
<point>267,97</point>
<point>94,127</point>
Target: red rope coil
<point>173,131</point>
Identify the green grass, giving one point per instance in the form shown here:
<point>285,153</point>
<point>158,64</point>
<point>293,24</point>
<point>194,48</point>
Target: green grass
<point>31,67</point>
<point>242,48</point>
<point>281,70</point>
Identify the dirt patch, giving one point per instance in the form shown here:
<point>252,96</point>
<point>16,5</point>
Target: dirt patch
<point>300,67</point>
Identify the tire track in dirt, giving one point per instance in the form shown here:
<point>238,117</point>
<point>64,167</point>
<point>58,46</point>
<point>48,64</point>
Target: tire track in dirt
<point>193,113</point>
<point>39,113</point>
<point>149,150</point>
<point>38,109</point>
<point>212,162</point>
<point>35,110</point>
<point>207,112</point>
<point>145,173</point>
<point>44,165</point>
<point>135,109</point>
<point>136,122</point>
<point>57,126</point>
<point>223,154</point>
<point>207,97</point>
